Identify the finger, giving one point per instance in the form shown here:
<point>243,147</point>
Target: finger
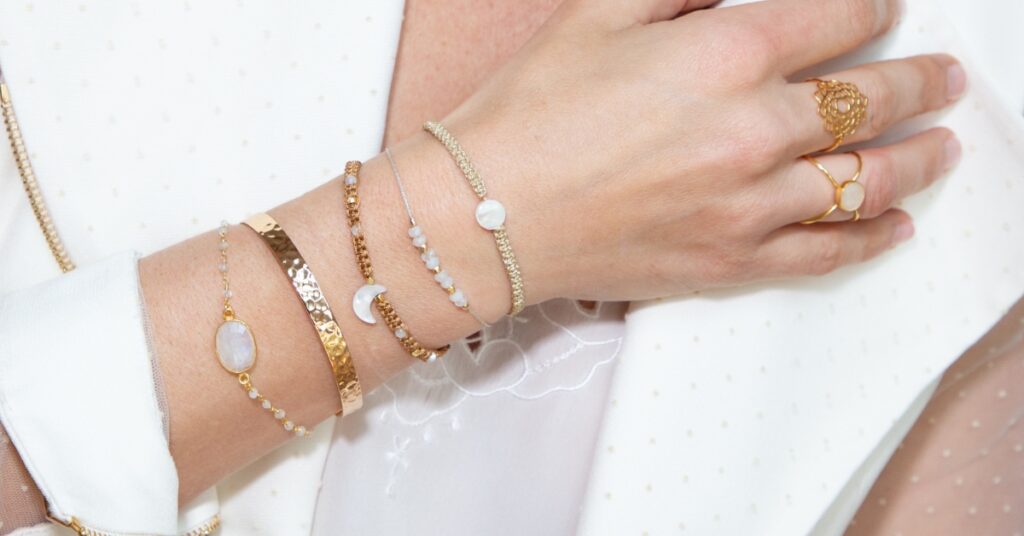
<point>888,175</point>
<point>799,250</point>
<point>896,90</point>
<point>796,34</point>
<point>623,13</point>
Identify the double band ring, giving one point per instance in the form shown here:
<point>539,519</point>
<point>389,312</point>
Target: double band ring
<point>842,107</point>
<point>849,194</point>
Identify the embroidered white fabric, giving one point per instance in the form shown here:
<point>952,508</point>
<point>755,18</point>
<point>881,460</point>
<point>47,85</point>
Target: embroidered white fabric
<point>525,395</point>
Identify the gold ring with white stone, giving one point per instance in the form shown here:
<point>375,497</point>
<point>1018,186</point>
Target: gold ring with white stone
<point>850,194</point>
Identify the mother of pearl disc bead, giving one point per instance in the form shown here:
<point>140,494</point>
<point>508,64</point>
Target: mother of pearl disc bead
<point>851,197</point>
<point>236,348</point>
<point>490,214</point>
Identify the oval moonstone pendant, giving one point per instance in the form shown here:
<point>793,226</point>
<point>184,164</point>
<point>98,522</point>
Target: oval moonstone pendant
<point>236,347</point>
<point>490,214</point>
<point>851,196</point>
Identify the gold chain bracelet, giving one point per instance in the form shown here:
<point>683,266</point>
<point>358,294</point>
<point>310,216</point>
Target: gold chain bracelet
<point>372,292</point>
<point>490,213</point>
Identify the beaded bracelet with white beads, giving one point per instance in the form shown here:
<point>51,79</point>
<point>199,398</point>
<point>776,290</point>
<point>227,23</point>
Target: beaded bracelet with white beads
<point>430,259</point>
<point>236,346</point>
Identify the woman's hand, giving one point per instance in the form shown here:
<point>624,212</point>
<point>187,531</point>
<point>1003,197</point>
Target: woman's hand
<point>644,151</point>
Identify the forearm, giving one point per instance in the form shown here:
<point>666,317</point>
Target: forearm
<point>215,428</point>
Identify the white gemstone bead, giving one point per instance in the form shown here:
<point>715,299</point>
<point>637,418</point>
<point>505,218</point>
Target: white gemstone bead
<point>236,348</point>
<point>356,230</point>
<point>432,263</point>
<point>440,276</point>
<point>400,333</point>
<point>254,394</point>
<point>223,245</point>
<point>300,431</point>
<point>446,282</point>
<point>222,267</point>
<point>457,298</point>
<point>490,214</point>
<point>852,196</point>
<point>419,241</point>
<point>415,231</point>
<point>228,294</point>
<point>363,299</point>
<point>350,180</point>
<point>266,404</point>
<point>288,425</point>
<point>432,357</point>
<point>279,414</point>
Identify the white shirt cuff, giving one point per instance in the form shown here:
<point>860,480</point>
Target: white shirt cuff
<point>78,399</point>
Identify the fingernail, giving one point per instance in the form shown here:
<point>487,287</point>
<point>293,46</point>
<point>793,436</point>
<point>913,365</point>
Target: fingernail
<point>956,81</point>
<point>952,151</point>
<point>904,232</point>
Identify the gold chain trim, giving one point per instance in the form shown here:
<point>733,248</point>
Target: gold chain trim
<point>28,181</point>
<point>208,528</point>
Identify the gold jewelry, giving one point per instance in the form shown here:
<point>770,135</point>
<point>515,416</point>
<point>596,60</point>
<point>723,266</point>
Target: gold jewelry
<point>849,195</point>
<point>29,183</point>
<point>236,346</point>
<point>490,214</point>
<point>372,292</point>
<point>842,107</point>
<point>294,266</point>
<point>427,255</point>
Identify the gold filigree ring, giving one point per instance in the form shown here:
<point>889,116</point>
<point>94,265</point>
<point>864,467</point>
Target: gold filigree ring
<point>842,107</point>
<point>849,194</point>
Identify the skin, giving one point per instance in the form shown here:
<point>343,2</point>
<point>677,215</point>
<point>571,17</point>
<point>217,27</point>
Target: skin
<point>555,136</point>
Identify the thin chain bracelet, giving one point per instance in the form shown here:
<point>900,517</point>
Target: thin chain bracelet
<point>372,293</point>
<point>236,346</point>
<point>490,213</point>
<point>427,255</point>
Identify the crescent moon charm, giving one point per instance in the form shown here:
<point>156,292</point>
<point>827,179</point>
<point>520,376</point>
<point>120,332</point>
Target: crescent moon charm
<point>363,299</point>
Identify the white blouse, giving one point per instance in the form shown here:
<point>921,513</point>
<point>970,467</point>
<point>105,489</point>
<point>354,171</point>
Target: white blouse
<point>764,410</point>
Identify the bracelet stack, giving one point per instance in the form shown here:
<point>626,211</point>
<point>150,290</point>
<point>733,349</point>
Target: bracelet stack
<point>372,293</point>
<point>236,345</point>
<point>490,213</point>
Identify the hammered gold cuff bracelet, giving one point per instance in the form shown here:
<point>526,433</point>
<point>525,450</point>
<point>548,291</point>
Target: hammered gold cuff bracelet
<point>295,267</point>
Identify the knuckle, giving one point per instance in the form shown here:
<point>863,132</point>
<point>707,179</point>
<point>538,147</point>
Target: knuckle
<point>931,74</point>
<point>882,108</point>
<point>882,182</point>
<point>759,45</point>
<point>762,46</point>
<point>733,264</point>
<point>762,138</point>
<point>829,256</point>
<point>864,16</point>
